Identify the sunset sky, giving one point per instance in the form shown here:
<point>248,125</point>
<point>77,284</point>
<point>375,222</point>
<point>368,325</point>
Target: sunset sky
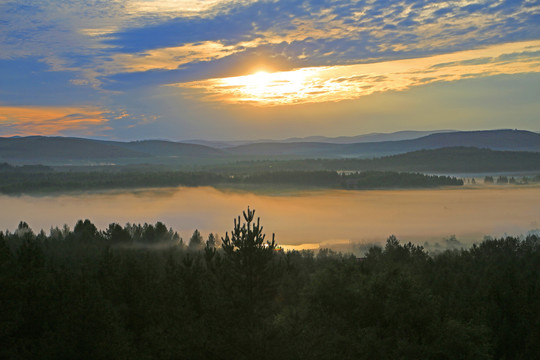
<point>246,69</point>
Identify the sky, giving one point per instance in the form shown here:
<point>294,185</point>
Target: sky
<point>248,69</point>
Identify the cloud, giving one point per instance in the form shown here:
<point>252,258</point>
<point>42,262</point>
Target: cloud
<point>180,8</point>
<point>116,54</point>
<point>98,40</point>
<point>336,83</point>
<point>34,120</point>
<point>295,34</point>
<point>171,58</point>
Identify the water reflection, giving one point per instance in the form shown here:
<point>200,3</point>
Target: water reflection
<point>309,218</point>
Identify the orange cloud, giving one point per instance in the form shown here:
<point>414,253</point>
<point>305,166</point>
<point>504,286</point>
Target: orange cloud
<point>170,58</point>
<point>336,83</point>
<point>178,7</point>
<point>51,120</point>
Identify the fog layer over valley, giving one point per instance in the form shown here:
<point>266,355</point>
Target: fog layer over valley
<point>300,219</point>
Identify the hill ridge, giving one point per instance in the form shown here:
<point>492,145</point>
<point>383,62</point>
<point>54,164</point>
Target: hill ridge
<point>43,149</point>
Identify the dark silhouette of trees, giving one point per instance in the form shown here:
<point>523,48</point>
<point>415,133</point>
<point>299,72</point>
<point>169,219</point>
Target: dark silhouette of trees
<point>248,278</point>
<point>249,259</point>
<point>211,242</point>
<point>91,294</point>
<point>196,241</point>
<point>85,231</point>
<point>117,234</point>
<point>21,182</point>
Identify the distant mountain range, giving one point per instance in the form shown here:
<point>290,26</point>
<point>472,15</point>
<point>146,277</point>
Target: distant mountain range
<point>64,150</point>
<point>59,150</point>
<point>373,137</point>
<point>512,140</point>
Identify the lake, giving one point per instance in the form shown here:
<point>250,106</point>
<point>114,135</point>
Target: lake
<point>300,219</point>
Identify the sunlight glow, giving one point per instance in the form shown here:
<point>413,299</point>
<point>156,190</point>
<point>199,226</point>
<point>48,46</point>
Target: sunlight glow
<point>343,82</point>
<point>264,87</point>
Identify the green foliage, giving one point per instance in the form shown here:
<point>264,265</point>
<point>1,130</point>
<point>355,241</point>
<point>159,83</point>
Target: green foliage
<point>117,234</point>
<point>196,240</point>
<point>247,240</point>
<point>389,179</point>
<point>85,231</point>
<point>65,181</point>
<point>249,274</point>
<point>91,294</point>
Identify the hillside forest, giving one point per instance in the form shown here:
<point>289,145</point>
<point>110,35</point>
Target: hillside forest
<point>141,292</point>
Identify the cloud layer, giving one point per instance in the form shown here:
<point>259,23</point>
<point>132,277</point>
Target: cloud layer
<point>116,54</point>
<point>31,120</point>
<point>343,82</point>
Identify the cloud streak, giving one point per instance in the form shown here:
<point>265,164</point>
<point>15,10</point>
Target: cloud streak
<point>336,83</point>
<point>118,54</point>
<point>32,120</point>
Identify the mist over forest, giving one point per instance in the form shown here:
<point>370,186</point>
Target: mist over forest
<point>458,279</point>
<point>390,148</point>
<point>139,292</point>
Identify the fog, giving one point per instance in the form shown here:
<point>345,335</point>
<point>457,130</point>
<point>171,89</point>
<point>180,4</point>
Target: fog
<point>299,220</point>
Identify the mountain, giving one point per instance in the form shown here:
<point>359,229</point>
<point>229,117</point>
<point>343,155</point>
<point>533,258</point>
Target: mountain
<point>38,148</point>
<point>41,149</point>
<point>448,159</point>
<point>55,150</point>
<point>169,148</point>
<point>512,140</point>
<point>299,149</point>
<point>372,137</point>
<point>494,139</point>
<point>221,144</point>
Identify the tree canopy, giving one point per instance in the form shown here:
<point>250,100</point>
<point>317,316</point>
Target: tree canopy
<point>114,293</point>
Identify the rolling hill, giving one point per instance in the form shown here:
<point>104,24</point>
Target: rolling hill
<point>372,137</point>
<point>58,150</point>
<point>41,149</point>
<point>445,160</point>
<point>170,149</point>
<point>510,140</point>
<point>34,149</point>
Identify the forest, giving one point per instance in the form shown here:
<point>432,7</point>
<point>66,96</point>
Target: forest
<point>142,292</point>
<point>38,178</point>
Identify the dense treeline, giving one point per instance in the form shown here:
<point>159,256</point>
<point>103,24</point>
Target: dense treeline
<point>138,292</point>
<point>5,167</point>
<point>16,182</point>
<point>360,180</point>
<point>386,179</point>
<point>23,181</point>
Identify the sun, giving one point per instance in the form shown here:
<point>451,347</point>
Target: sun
<point>262,74</point>
<point>259,83</point>
<point>264,87</point>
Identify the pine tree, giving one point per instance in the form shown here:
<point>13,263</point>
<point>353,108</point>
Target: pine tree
<point>196,241</point>
<point>250,260</point>
<point>248,276</point>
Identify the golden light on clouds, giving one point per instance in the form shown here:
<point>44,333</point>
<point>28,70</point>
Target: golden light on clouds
<point>169,58</point>
<point>50,120</point>
<point>336,83</point>
<point>176,7</point>
<point>269,87</point>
